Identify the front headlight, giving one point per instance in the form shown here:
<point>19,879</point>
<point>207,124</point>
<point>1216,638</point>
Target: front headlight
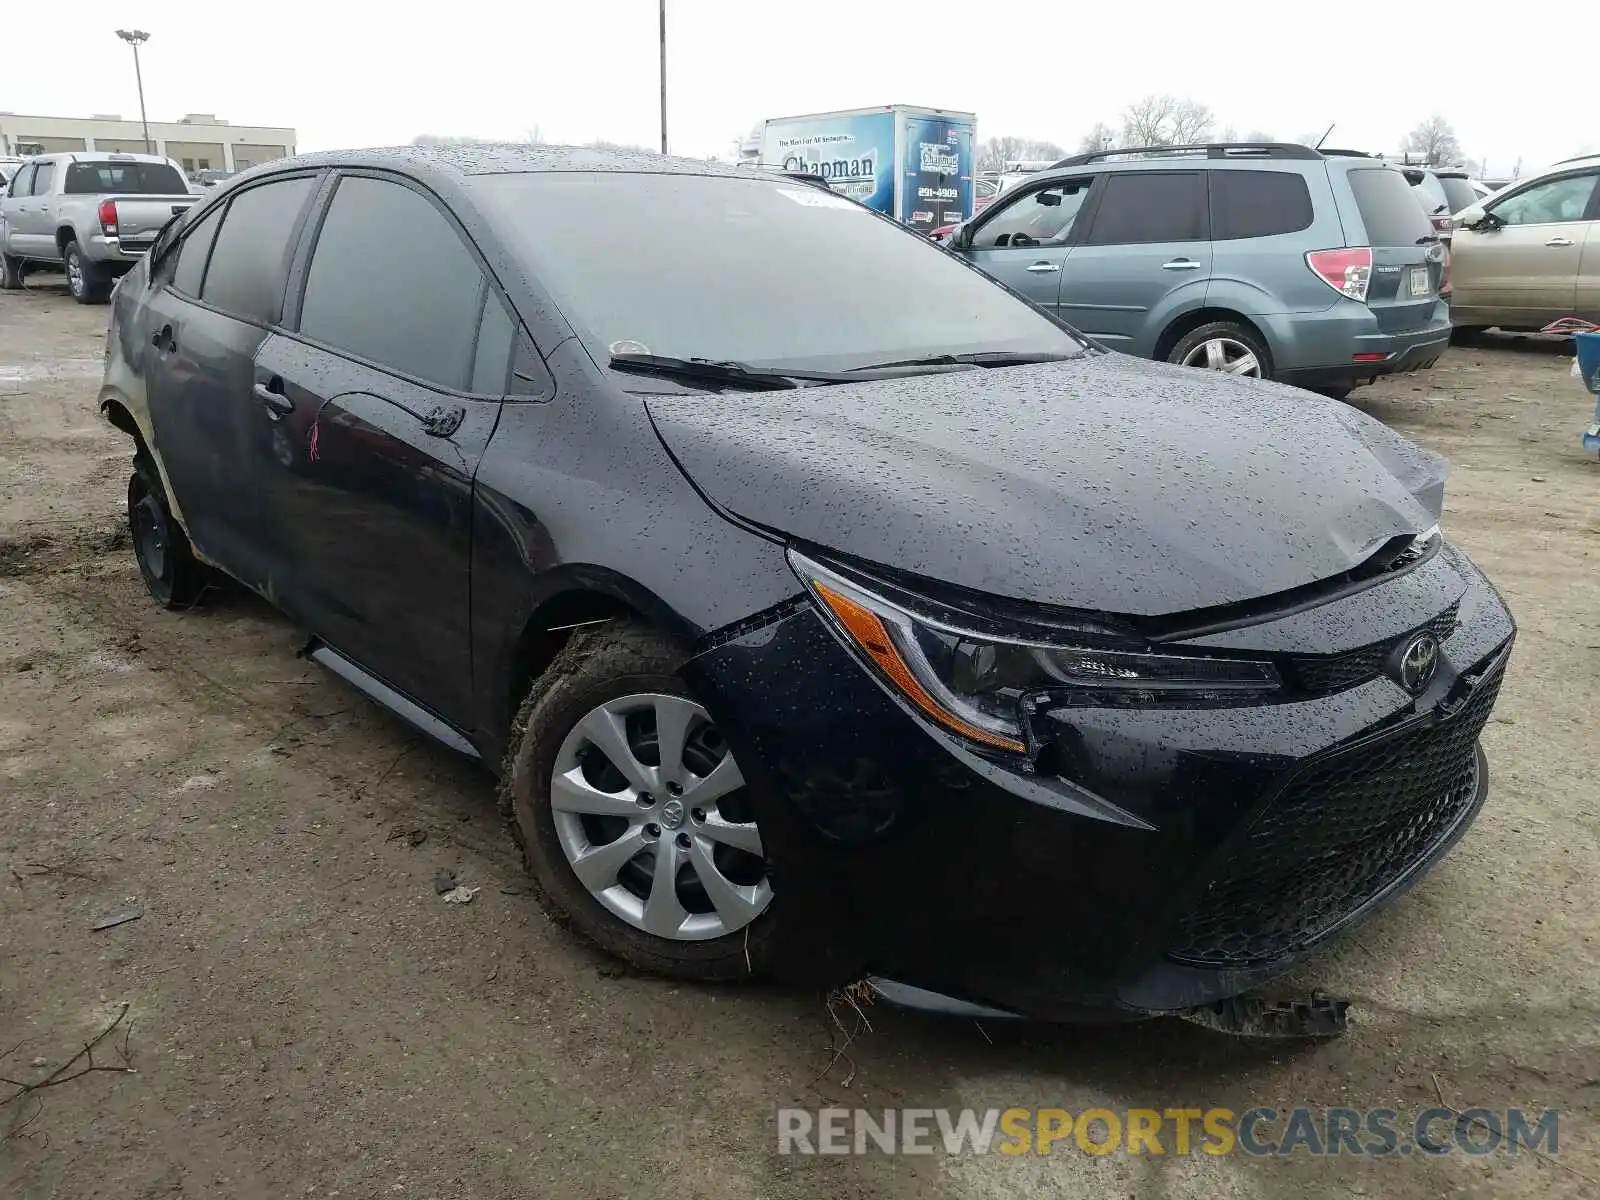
<point>974,683</point>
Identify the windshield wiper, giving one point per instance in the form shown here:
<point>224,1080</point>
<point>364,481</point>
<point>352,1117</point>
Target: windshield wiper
<point>733,374</point>
<point>982,358</point>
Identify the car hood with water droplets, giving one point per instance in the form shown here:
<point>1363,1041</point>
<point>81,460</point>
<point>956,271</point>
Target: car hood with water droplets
<point>1106,483</point>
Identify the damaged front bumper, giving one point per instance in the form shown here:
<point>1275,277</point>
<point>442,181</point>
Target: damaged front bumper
<point>1176,857</point>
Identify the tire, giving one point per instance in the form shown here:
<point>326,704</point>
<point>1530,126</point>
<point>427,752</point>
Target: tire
<point>628,671</point>
<point>1334,393</point>
<point>10,273</point>
<point>1236,341</point>
<point>1465,335</point>
<point>88,282</point>
<point>160,547</point>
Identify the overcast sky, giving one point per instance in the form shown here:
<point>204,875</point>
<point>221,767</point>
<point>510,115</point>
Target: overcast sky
<point>1514,85</point>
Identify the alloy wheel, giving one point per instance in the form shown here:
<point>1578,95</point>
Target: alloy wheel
<point>653,816</point>
<point>1226,355</point>
<point>75,273</point>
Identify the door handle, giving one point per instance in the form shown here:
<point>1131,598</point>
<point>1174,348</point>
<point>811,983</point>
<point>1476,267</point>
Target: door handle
<point>1044,268</point>
<point>1559,241</point>
<point>277,403</point>
<point>1181,264</point>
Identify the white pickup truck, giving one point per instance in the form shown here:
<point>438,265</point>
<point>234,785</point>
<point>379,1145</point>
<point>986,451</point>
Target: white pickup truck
<point>92,214</point>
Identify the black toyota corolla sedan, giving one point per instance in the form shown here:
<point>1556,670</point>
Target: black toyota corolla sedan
<point>827,609</point>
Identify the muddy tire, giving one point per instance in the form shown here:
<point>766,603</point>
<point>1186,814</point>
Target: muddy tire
<point>160,547</point>
<point>634,822</point>
<point>88,281</point>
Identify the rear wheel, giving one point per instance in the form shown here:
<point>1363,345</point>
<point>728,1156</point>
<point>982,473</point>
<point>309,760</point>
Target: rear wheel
<point>634,820</point>
<point>160,547</point>
<point>88,281</point>
<point>1223,346</point>
<point>10,273</point>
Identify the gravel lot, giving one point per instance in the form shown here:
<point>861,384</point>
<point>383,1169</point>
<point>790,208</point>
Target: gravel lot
<point>306,1017</point>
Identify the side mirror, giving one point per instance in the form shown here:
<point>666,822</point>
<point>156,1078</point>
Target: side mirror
<point>1473,217</point>
<point>962,237</point>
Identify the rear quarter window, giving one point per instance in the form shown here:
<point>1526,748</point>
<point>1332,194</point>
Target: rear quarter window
<point>1389,211</point>
<point>1248,204</point>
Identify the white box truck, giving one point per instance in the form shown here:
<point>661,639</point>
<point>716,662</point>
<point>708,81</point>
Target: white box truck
<point>914,164</point>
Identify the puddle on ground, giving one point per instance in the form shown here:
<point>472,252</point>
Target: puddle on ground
<point>51,368</point>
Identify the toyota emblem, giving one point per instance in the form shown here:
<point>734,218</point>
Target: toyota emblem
<point>1418,662</point>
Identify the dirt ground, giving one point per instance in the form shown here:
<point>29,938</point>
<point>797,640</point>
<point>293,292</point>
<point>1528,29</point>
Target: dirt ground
<point>305,1017</point>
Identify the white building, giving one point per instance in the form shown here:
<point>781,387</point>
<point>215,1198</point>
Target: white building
<point>198,142</point>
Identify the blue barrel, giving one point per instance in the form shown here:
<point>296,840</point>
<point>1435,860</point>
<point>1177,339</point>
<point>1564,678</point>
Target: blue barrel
<point>1589,359</point>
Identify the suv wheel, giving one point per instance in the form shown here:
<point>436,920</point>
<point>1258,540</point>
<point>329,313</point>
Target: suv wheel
<point>87,281</point>
<point>1223,346</point>
<point>634,821</point>
<point>160,546</point>
<point>10,273</point>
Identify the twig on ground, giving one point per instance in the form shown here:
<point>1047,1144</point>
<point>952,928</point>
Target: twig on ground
<point>39,869</point>
<point>60,1074</point>
<point>1484,1125</point>
<point>387,771</point>
<point>985,1033</point>
<point>853,994</point>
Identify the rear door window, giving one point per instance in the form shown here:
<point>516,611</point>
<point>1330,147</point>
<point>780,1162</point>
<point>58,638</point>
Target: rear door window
<point>1389,211</point>
<point>190,269</point>
<point>44,178</point>
<point>1247,204</point>
<point>247,267</point>
<point>1150,206</point>
<point>415,313</point>
<point>129,178</point>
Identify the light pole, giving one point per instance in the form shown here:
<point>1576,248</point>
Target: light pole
<point>663,76</point>
<point>137,38</point>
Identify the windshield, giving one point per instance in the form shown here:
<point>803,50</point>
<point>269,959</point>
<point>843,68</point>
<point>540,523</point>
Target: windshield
<point>127,178</point>
<point>755,271</point>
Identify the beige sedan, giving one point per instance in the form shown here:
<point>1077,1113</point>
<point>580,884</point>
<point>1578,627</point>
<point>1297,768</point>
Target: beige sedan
<point>1530,254</point>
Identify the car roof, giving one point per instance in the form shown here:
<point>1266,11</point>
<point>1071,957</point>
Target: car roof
<point>99,156</point>
<point>459,162</point>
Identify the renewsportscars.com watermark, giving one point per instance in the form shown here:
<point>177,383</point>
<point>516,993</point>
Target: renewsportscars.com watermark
<point>1259,1132</point>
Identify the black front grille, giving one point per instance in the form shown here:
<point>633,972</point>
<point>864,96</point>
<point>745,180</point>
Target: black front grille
<point>1324,674</point>
<point>1337,834</point>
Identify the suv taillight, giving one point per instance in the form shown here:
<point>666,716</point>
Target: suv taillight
<point>1347,271</point>
<point>108,217</point>
<point>1444,271</point>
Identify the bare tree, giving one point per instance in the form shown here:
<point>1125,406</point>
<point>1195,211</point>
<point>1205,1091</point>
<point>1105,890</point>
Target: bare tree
<point>1434,141</point>
<point>1101,137</point>
<point>1165,121</point>
<point>994,153</point>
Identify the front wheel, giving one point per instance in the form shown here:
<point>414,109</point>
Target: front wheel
<point>1224,346</point>
<point>634,820</point>
<point>88,281</point>
<point>10,273</point>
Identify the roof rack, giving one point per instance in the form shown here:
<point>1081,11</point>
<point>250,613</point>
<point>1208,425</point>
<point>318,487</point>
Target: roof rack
<point>1576,158</point>
<point>1208,149</point>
